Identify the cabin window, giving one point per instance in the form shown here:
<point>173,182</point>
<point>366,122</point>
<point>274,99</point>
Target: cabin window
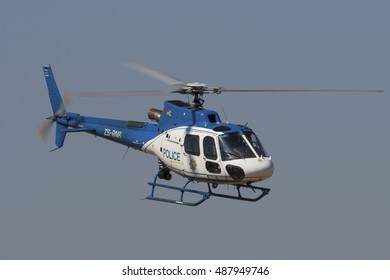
<point>209,149</point>
<point>191,144</point>
<point>212,118</point>
<point>213,167</point>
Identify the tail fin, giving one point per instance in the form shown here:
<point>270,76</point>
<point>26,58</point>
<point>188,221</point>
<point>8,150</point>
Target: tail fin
<point>60,136</point>
<point>54,94</point>
<point>57,105</point>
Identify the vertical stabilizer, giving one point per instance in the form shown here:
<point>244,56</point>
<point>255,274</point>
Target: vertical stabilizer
<point>54,94</point>
<point>58,109</point>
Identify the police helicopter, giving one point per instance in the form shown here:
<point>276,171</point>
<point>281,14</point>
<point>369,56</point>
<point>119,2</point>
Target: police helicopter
<point>186,138</point>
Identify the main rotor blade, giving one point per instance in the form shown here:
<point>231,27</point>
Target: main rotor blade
<point>124,93</point>
<point>301,90</point>
<point>165,78</point>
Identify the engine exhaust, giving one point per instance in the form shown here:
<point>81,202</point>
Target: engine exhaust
<point>154,114</point>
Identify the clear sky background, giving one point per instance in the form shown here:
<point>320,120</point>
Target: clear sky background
<point>330,191</point>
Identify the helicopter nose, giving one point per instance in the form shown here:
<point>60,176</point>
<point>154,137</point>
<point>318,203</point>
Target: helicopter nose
<point>264,170</point>
<point>269,169</point>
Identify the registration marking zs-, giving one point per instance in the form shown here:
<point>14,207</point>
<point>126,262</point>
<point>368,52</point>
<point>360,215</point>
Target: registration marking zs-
<point>112,133</point>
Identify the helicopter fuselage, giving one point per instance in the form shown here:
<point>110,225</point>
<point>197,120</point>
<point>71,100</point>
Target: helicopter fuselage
<point>192,143</point>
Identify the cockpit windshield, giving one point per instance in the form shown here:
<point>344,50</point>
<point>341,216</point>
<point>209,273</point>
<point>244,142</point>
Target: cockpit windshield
<point>255,142</point>
<point>234,146</point>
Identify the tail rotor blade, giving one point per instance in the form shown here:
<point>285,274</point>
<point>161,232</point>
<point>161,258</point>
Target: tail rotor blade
<point>67,98</point>
<point>44,130</point>
<point>67,102</point>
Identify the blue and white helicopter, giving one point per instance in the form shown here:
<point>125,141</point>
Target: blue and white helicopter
<point>187,139</point>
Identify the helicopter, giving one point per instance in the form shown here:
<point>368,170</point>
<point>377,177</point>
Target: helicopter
<point>187,139</point>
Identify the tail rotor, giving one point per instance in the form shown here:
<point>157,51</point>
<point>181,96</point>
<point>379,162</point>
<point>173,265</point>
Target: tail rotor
<point>45,128</point>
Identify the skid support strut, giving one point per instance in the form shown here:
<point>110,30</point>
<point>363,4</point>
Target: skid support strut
<point>202,195</point>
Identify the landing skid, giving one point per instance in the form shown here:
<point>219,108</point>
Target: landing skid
<point>264,192</point>
<point>203,195</point>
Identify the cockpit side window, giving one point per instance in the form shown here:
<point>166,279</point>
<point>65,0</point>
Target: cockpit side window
<point>209,149</point>
<point>191,144</point>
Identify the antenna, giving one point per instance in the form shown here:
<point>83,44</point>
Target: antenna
<point>224,113</point>
<point>125,153</point>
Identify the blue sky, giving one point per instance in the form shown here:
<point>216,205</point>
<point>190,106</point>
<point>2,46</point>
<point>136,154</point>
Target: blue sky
<point>329,193</point>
